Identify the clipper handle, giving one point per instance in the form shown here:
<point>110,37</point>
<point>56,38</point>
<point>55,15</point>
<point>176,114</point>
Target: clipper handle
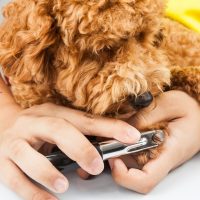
<point>60,160</point>
<point>112,148</point>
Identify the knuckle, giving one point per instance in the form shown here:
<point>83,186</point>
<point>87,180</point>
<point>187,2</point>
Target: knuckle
<point>46,178</point>
<point>38,109</point>
<point>55,123</point>
<point>117,177</point>
<point>178,94</point>
<point>14,183</point>
<point>146,187</point>
<point>16,148</point>
<point>5,141</point>
<point>90,122</point>
<point>46,106</point>
<point>22,119</point>
<point>39,196</point>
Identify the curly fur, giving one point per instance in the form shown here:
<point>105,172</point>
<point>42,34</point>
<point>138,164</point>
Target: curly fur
<point>93,55</point>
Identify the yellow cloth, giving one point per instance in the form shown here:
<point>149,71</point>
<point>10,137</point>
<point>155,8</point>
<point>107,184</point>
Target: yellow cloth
<point>186,12</point>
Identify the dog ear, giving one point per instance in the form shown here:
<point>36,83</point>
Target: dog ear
<point>27,41</point>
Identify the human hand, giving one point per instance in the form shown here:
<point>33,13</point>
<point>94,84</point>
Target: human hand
<point>183,114</point>
<point>64,127</point>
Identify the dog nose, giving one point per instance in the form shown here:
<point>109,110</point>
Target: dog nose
<point>142,101</point>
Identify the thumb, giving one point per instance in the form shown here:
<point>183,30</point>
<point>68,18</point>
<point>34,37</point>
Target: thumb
<point>167,106</point>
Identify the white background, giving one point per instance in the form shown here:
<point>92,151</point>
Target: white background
<point>183,183</point>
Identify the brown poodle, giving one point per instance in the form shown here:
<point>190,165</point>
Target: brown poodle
<point>106,57</point>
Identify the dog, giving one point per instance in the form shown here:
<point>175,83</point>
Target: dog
<point>106,57</point>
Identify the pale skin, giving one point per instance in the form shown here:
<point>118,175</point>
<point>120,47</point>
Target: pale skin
<point>171,106</point>
<point>24,132</point>
<point>183,114</point>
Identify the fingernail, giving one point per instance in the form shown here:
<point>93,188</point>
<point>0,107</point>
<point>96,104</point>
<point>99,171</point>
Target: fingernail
<point>133,134</point>
<point>60,185</point>
<point>111,163</point>
<point>97,166</point>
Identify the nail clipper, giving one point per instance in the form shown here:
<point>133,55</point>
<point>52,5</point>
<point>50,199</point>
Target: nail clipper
<point>113,148</point>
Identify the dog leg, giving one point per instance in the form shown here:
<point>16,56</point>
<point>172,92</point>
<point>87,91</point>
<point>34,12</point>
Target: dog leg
<point>186,79</point>
<point>181,45</point>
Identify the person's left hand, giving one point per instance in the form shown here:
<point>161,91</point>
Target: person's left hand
<point>183,114</point>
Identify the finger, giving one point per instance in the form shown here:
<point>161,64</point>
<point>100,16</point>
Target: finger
<point>12,177</point>
<point>68,139</point>
<point>92,125</point>
<point>164,108</point>
<point>82,173</point>
<point>142,181</point>
<point>26,158</point>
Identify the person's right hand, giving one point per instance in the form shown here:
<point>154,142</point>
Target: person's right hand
<point>64,127</point>
<point>182,113</point>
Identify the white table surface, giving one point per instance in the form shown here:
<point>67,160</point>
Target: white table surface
<point>183,183</point>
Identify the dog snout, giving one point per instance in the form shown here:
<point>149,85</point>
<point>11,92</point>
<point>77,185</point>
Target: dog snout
<point>141,101</point>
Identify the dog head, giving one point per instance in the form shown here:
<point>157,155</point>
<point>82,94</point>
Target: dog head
<point>65,45</point>
<point>97,32</point>
<point>95,25</point>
